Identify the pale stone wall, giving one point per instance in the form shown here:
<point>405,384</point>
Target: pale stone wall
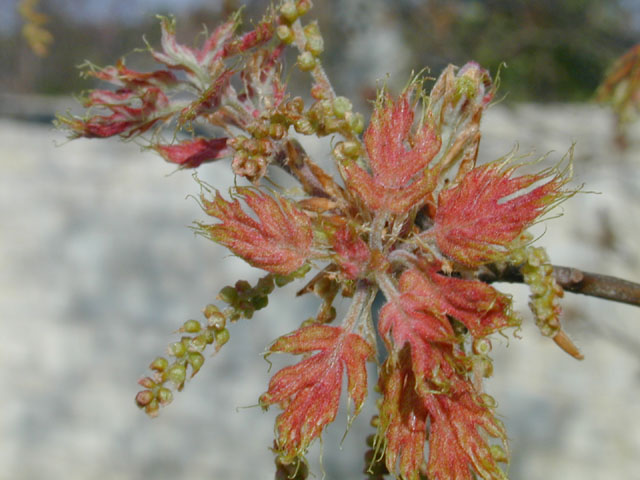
<point>98,268</point>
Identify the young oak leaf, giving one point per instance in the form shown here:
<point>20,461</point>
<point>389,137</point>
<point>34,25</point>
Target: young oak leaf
<point>400,178</point>
<point>456,104</point>
<point>457,427</point>
<point>132,113</point>
<point>198,63</point>
<point>479,306</point>
<point>309,392</point>
<point>458,445</point>
<point>192,153</point>
<point>279,241</point>
<point>478,219</point>
<point>402,430</point>
<point>404,322</point>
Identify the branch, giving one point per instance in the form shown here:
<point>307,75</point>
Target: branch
<point>577,281</point>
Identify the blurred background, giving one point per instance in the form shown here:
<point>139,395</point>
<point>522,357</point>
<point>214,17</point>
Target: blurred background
<point>98,267</point>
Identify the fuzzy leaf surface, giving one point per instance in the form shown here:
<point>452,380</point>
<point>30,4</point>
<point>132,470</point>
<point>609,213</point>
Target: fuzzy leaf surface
<point>403,419</point>
<point>192,153</point>
<point>279,241</point>
<point>403,322</point>
<point>457,446</point>
<point>479,306</point>
<point>478,218</point>
<point>309,392</point>
<point>398,158</point>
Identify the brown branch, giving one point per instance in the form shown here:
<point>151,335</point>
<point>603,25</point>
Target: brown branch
<point>577,281</point>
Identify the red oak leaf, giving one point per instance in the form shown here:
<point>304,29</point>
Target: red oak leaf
<point>192,153</point>
<point>199,63</point>
<point>309,392</point>
<point>403,419</point>
<point>457,444</point>
<point>479,306</point>
<point>177,56</point>
<point>400,178</point>
<point>478,218</point>
<point>404,321</point>
<point>132,113</point>
<point>458,425</point>
<point>280,239</point>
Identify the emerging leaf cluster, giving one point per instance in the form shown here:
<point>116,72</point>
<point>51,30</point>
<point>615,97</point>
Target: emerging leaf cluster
<point>411,217</point>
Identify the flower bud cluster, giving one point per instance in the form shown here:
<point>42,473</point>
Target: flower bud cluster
<point>251,156</point>
<point>186,354</point>
<point>545,291</point>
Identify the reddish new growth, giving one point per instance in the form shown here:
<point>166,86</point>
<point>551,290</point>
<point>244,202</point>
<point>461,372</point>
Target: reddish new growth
<point>412,218</point>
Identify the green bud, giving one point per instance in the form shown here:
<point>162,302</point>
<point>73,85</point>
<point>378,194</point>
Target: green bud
<point>222,337</point>
<point>284,34</point>
<point>282,280</point>
<point>260,302</point>
<point>265,285</point>
<point>196,360</point>
<point>209,337</point>
<point>315,45</point>
<point>177,374</point>
<point>143,398</point>
<point>341,105</point>
<point>242,286</point>
<point>191,326</point>
<point>159,364</point>
<point>147,382</point>
<point>177,349</point>
<point>164,396</point>
<point>289,11</point>
<point>217,322</point>
<point>356,123</point>
<point>228,295</point>
<point>306,61</point>
<point>198,343</point>
<point>210,310</point>
<point>303,6</point>
<point>152,408</point>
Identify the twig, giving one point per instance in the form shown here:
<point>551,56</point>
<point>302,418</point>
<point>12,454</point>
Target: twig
<point>577,281</point>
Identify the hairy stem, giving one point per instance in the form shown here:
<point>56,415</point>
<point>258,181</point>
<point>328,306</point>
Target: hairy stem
<point>576,281</point>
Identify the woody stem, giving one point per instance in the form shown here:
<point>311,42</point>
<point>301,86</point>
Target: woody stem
<point>576,281</point>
